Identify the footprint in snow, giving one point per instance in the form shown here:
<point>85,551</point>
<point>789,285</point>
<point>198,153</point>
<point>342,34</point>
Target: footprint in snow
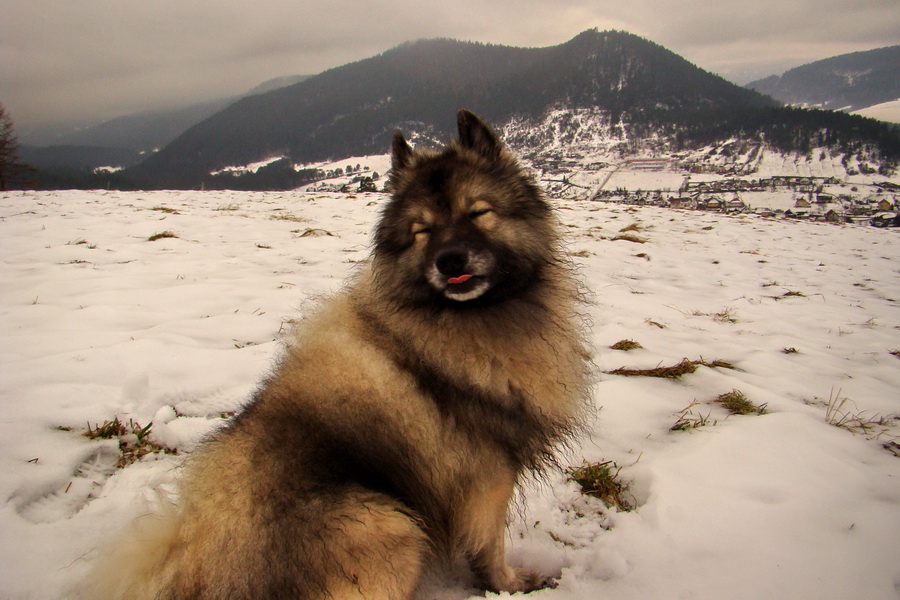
<point>77,491</point>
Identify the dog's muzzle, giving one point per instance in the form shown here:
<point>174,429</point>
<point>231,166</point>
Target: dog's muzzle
<point>461,274</point>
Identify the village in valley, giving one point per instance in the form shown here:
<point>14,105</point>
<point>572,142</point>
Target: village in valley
<point>731,178</point>
<point>573,156</point>
<point>798,197</point>
<point>668,183</point>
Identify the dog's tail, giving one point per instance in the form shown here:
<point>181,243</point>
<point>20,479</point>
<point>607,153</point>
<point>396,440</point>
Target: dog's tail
<point>142,563</point>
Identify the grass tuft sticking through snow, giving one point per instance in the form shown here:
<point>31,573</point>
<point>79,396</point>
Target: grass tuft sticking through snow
<point>162,235</point>
<point>630,238</point>
<point>314,233</point>
<point>726,315</point>
<point>788,294</point>
<point>289,217</point>
<point>688,419</point>
<point>134,440</point>
<point>861,422</point>
<point>626,345</point>
<point>685,367</point>
<point>601,480</point>
<point>736,403</point>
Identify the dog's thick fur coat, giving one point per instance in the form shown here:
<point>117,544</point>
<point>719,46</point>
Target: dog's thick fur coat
<point>401,415</point>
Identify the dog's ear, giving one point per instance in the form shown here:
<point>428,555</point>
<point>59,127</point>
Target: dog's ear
<point>476,135</point>
<point>401,152</point>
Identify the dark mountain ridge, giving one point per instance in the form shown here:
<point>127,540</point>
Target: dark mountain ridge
<point>635,90</point>
<point>149,130</point>
<point>847,82</point>
<point>418,87</point>
<point>77,158</point>
<point>140,132</point>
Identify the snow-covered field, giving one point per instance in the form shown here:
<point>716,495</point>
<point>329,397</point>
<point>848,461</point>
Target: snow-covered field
<point>99,322</point>
<point>888,111</point>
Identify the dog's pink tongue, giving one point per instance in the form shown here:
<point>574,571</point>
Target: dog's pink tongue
<point>460,279</point>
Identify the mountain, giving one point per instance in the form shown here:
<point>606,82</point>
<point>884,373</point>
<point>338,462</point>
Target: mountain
<point>276,83</point>
<point>78,158</point>
<point>150,130</point>
<point>636,91</point>
<point>611,93</point>
<point>77,167</point>
<point>848,82</point>
<point>417,87</point>
<point>142,132</point>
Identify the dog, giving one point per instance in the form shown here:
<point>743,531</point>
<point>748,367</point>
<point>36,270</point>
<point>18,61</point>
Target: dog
<point>402,413</point>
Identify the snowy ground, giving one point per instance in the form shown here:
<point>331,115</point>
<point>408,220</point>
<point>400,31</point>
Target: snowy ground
<point>888,111</point>
<point>98,322</point>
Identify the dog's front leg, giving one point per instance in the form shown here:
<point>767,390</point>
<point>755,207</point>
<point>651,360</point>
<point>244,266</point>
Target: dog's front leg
<point>485,535</point>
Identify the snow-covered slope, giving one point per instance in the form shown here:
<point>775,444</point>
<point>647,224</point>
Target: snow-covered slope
<point>578,153</point>
<point>99,322</point>
<point>887,111</point>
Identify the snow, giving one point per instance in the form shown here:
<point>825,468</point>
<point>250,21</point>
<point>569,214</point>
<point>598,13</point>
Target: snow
<point>579,153</point>
<point>249,168</point>
<point>887,111</point>
<point>633,179</point>
<point>98,322</point>
<point>367,165</point>
<point>379,163</point>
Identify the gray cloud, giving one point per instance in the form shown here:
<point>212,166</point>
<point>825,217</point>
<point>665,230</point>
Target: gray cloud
<point>77,62</point>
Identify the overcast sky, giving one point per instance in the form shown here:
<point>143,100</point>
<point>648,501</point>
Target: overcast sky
<point>83,61</point>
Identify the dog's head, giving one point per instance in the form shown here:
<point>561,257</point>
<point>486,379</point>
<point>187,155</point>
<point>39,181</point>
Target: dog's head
<point>464,225</point>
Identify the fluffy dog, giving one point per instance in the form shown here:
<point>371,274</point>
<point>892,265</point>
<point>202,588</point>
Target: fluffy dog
<point>401,414</point>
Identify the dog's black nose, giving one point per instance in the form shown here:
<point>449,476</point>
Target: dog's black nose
<point>452,262</point>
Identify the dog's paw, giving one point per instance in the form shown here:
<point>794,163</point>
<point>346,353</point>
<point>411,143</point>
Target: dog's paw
<point>525,581</point>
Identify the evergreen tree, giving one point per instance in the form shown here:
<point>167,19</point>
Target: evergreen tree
<point>12,171</point>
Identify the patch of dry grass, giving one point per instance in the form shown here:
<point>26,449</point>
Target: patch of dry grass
<point>289,217</point>
<point>134,440</point>
<point>629,238</point>
<point>162,235</point>
<point>687,419</point>
<point>841,412</point>
<point>726,315</point>
<point>601,480</point>
<point>685,367</point>
<point>788,294</point>
<point>736,403</point>
<point>313,233</point>
<point>626,345</point>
